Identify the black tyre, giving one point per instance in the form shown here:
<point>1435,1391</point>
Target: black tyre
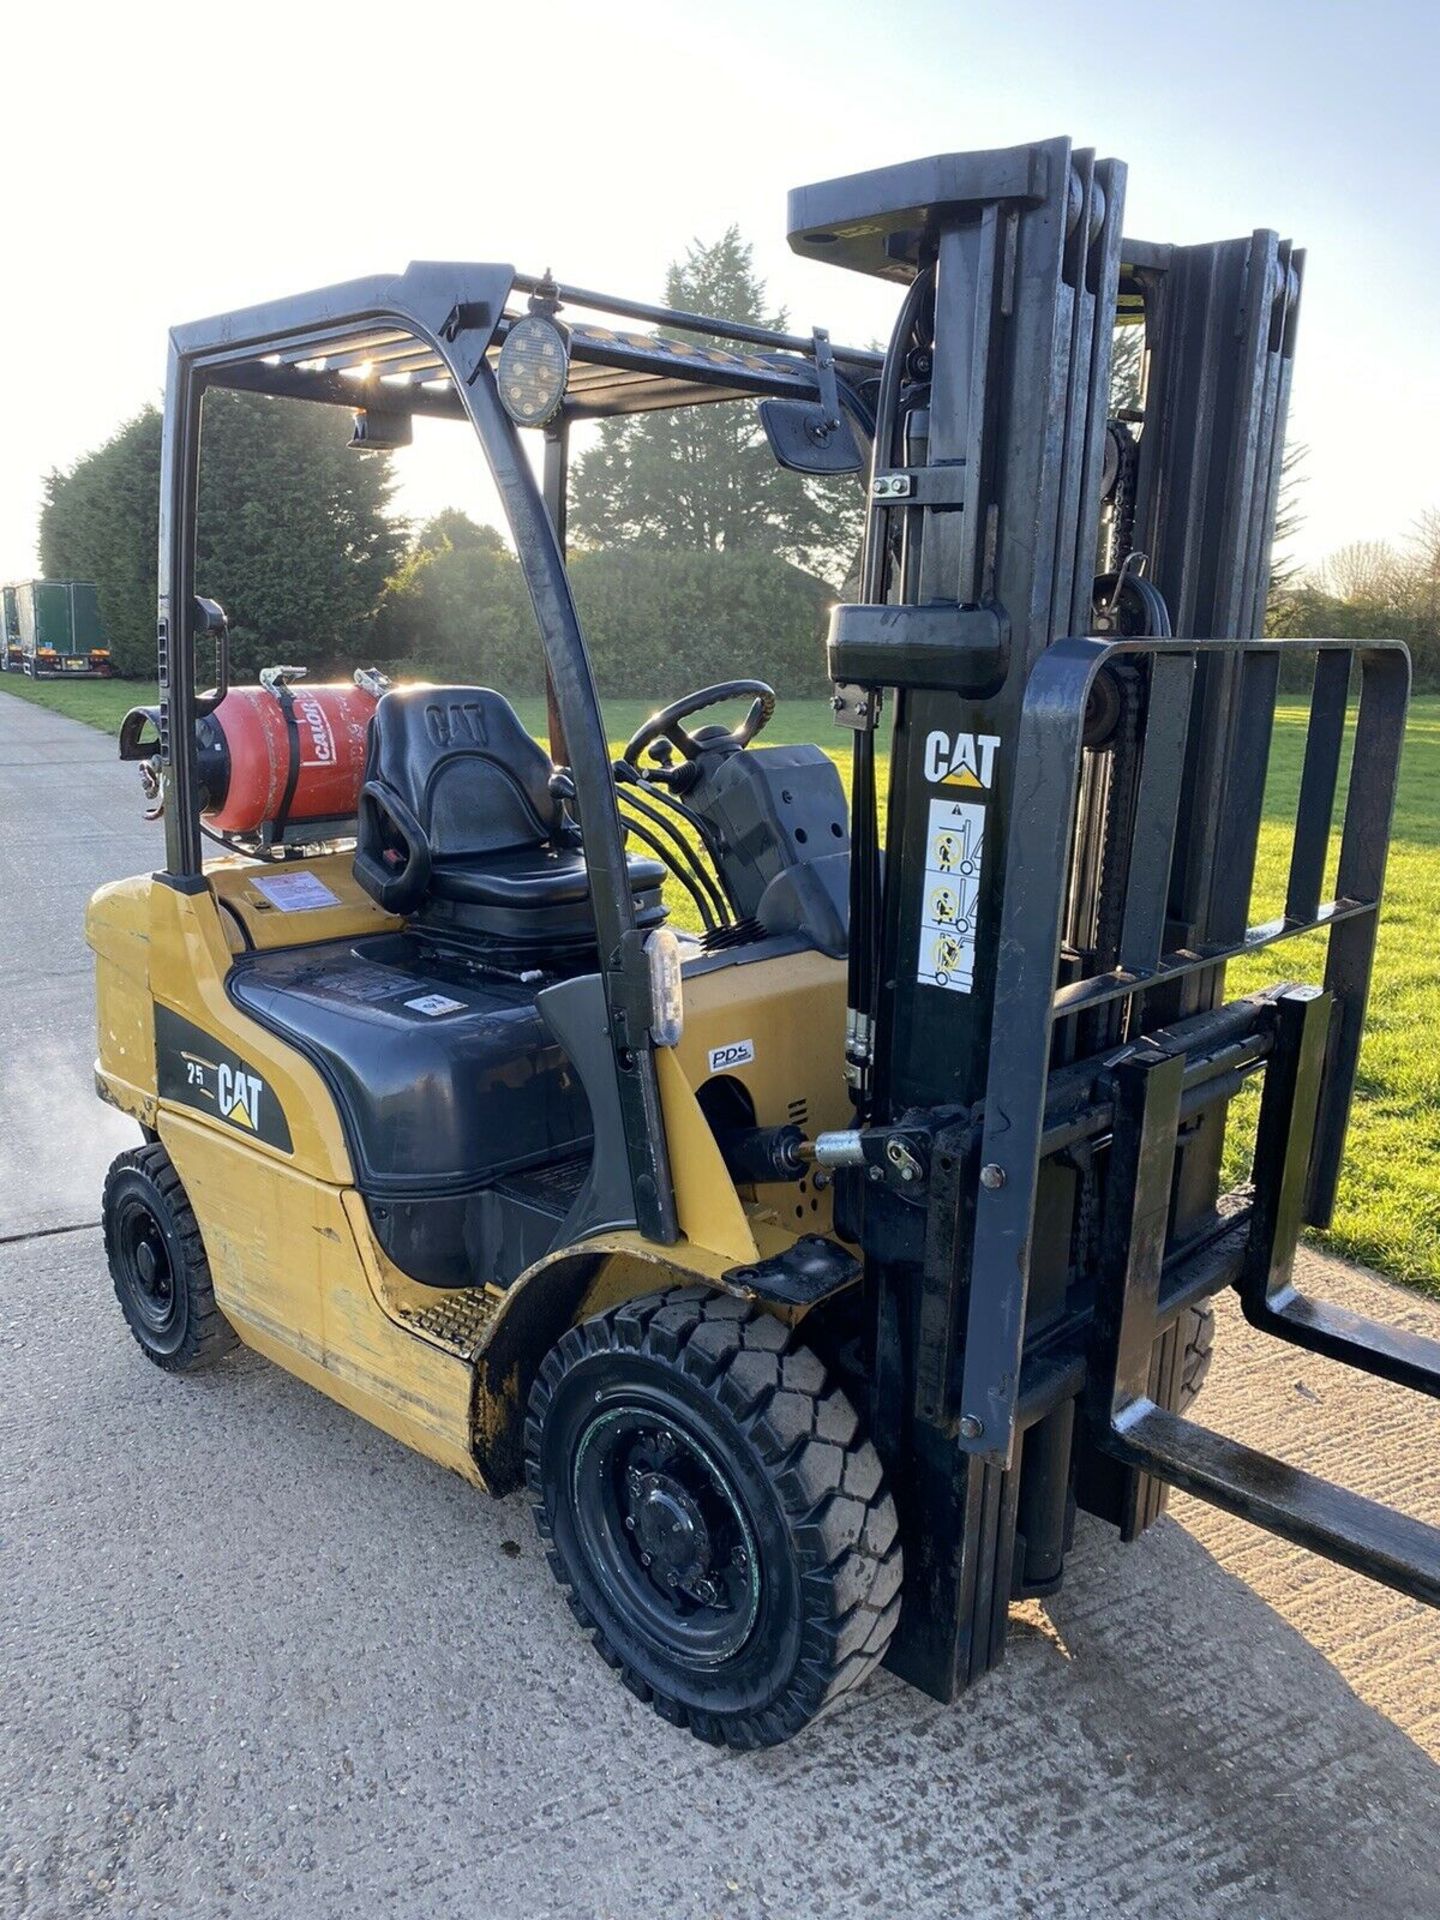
<point>718,1520</point>
<point>1197,1328</point>
<point>157,1262</point>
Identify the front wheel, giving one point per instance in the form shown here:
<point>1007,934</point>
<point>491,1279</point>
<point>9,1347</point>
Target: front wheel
<point>718,1519</point>
<point>1197,1329</point>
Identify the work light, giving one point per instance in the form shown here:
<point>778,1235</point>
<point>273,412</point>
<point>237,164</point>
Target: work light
<point>667,989</point>
<point>534,363</point>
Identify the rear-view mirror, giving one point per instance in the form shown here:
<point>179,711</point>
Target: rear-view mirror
<point>806,440</point>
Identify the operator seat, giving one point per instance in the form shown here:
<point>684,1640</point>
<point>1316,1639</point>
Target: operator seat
<point>459,828</point>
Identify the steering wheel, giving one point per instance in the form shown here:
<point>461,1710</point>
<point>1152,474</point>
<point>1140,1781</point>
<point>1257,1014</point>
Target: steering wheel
<point>665,725</point>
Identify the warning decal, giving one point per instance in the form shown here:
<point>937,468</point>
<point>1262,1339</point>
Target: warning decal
<point>296,892</point>
<point>954,852</point>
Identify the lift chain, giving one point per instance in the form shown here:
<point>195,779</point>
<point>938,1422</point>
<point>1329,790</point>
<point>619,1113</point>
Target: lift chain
<point>1122,522</point>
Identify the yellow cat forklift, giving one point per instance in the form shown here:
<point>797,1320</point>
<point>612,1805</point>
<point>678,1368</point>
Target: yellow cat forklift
<point>810,1271</point>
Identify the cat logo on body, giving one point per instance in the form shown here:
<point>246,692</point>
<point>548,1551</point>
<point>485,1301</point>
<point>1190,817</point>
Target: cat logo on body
<point>193,1067</point>
<point>961,759</point>
<point>235,1092</point>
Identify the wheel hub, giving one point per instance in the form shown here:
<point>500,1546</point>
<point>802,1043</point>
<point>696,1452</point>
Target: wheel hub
<point>670,1527</point>
<point>152,1269</point>
<point>665,1525</point>
<point>146,1263</point>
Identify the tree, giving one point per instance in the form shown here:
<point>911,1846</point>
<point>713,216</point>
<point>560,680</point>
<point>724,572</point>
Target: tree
<point>701,479</point>
<point>657,622</point>
<point>1372,590</point>
<point>292,533</point>
<point>452,530</point>
<point>661,623</point>
<point>457,605</point>
<point>99,522</point>
<point>1364,573</point>
<point>1425,577</point>
<point>1285,570</point>
<point>1127,368</point>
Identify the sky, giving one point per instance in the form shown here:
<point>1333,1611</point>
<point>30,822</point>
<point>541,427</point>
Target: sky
<point>166,162</point>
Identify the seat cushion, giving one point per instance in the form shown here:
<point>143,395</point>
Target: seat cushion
<point>530,877</point>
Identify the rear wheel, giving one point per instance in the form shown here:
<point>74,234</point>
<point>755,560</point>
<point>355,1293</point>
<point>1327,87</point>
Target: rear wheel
<point>719,1521</point>
<point>157,1262</point>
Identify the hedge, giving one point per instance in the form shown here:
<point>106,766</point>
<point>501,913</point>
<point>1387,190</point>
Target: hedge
<point>657,623</point>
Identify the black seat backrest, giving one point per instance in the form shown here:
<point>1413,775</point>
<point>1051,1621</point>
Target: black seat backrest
<point>450,774</point>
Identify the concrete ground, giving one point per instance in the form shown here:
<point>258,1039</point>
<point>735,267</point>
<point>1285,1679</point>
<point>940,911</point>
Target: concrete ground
<point>259,1660</point>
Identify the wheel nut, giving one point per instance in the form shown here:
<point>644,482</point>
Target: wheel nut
<point>644,1559</point>
<point>629,1523</point>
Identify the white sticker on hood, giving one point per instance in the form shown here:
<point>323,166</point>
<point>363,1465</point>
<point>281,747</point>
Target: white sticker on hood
<point>736,1054</point>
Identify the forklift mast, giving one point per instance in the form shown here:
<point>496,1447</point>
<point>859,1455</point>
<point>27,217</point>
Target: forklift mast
<point>1062,610</point>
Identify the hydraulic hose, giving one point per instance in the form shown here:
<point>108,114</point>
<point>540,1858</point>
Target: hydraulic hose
<point>657,847</point>
<point>685,852</point>
<point>658,796</point>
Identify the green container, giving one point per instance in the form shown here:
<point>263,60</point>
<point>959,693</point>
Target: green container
<point>59,625</point>
<point>51,623</point>
<point>86,627</point>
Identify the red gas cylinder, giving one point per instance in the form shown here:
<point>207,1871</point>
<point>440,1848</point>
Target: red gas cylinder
<point>258,741</point>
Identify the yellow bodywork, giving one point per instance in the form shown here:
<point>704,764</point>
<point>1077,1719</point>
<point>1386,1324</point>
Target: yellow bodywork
<point>296,1268</point>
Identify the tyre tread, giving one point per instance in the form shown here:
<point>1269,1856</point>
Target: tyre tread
<point>825,1474</point>
<point>1197,1324</point>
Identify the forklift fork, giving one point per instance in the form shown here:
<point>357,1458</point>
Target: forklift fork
<point>1268,1293</point>
<point>1129,1424</point>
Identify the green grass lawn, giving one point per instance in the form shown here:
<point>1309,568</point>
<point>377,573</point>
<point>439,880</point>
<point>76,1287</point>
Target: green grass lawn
<point>99,703</point>
<point>104,704</point>
<point>1389,1207</point>
<point>1388,1211</point>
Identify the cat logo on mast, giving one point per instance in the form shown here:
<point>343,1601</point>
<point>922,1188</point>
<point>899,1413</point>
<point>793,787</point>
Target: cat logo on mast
<point>961,760</point>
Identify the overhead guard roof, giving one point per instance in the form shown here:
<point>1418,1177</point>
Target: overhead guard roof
<point>300,349</point>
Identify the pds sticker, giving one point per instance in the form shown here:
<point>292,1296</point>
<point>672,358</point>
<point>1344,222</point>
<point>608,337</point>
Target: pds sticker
<point>737,1054</point>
